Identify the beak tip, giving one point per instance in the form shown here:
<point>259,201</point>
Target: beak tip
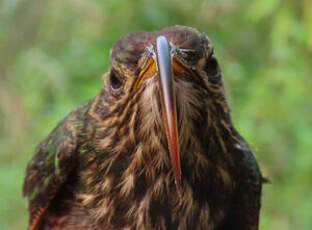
<point>178,184</point>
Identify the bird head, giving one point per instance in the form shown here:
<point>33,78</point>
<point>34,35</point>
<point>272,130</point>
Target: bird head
<point>168,81</point>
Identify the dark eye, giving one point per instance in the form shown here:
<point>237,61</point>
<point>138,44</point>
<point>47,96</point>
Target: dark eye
<point>212,69</point>
<point>115,81</point>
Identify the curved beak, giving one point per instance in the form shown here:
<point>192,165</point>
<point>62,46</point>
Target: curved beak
<point>164,67</point>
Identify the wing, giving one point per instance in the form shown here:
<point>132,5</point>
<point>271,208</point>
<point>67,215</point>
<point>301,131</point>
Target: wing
<point>244,213</point>
<point>248,198</point>
<point>51,165</point>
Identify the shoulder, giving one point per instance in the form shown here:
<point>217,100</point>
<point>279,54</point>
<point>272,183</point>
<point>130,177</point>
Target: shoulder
<point>249,168</point>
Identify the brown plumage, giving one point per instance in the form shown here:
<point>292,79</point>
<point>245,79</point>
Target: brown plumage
<point>109,164</point>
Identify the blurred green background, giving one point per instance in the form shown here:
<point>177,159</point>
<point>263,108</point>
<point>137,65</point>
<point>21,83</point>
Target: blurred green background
<point>53,54</point>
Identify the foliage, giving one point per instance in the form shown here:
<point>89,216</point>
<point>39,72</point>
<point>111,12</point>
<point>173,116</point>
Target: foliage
<point>53,53</point>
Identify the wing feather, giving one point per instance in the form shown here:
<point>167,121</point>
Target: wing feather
<point>52,163</point>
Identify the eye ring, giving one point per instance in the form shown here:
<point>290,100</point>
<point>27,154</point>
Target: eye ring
<point>115,80</point>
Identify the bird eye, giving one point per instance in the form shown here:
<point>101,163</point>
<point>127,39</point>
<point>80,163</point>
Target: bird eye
<point>212,69</point>
<point>115,81</point>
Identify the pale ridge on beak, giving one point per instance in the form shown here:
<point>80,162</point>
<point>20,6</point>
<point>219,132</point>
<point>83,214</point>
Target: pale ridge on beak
<point>164,68</point>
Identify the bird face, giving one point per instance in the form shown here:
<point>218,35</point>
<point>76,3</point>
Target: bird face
<point>170,76</point>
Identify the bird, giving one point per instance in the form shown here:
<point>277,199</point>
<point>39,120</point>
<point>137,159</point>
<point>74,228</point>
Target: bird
<point>155,149</point>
